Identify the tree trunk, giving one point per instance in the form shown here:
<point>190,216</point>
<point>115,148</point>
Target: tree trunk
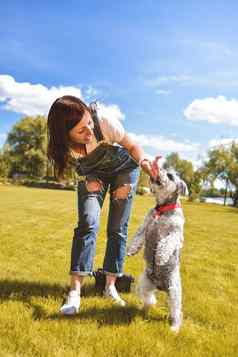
<point>235,198</point>
<point>226,189</point>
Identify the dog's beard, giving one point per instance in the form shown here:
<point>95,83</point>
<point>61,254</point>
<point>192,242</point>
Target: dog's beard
<point>161,196</point>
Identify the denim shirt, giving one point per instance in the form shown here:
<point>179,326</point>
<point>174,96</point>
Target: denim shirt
<point>106,160</point>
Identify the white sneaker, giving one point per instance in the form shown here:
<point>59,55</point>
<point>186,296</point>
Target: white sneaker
<point>111,292</point>
<point>71,307</point>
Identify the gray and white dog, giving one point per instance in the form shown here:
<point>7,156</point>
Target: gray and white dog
<point>162,235</point>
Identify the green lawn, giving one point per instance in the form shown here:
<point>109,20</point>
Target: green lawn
<point>36,230</point>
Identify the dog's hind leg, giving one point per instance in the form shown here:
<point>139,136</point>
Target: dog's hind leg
<point>146,291</point>
<point>175,300</point>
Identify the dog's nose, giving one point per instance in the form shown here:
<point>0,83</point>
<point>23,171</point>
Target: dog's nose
<point>155,181</point>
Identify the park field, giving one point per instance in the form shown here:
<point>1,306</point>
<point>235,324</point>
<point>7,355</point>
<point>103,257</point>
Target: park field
<point>36,228</point>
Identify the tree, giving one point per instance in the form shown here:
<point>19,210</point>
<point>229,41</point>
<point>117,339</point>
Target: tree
<point>4,165</point>
<point>5,161</point>
<point>185,169</point>
<point>25,151</point>
<point>27,146</point>
<point>143,183</point>
<point>223,164</point>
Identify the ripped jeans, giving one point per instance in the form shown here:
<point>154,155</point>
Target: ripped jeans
<point>89,207</point>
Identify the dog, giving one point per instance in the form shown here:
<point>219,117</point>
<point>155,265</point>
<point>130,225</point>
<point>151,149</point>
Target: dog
<point>162,235</point>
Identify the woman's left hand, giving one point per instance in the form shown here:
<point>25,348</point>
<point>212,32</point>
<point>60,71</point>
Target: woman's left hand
<point>146,165</point>
<point>151,167</point>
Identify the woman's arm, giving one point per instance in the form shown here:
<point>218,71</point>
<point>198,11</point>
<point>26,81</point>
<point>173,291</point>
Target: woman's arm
<point>137,153</point>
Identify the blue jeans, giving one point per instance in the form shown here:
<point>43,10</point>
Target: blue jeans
<point>89,208</point>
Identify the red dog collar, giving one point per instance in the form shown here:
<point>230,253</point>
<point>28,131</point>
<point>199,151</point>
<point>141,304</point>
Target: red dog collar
<point>165,208</point>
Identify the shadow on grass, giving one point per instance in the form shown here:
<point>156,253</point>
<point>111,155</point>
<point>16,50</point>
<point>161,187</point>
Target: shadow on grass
<point>114,315</point>
<point>20,290</point>
<point>23,291</point>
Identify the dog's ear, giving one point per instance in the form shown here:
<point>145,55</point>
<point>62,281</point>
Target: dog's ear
<point>182,188</point>
<point>171,176</point>
<point>181,185</point>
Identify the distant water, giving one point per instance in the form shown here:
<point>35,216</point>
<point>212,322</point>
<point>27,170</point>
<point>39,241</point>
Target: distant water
<point>218,200</point>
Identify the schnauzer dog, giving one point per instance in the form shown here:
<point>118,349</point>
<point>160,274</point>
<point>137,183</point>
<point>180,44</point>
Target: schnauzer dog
<point>162,235</point>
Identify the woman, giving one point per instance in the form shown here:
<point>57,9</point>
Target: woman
<point>78,137</point>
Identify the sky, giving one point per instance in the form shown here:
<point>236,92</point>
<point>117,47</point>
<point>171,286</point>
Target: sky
<point>167,69</point>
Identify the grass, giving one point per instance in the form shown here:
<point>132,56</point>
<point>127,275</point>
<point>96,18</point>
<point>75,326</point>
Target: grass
<point>36,230</point>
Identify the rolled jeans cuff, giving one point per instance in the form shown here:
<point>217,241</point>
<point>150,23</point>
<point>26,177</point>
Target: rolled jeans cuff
<point>118,275</point>
<point>81,273</point>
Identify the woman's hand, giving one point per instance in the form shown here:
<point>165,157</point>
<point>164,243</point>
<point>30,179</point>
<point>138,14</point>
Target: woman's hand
<point>151,167</point>
<point>146,166</point>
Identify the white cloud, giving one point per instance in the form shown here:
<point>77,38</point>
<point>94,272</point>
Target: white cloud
<point>217,80</point>
<point>224,141</point>
<point>166,145</point>
<point>90,92</point>
<point>158,81</point>
<point>31,99</point>
<point>34,99</point>
<point>110,111</point>
<point>218,110</point>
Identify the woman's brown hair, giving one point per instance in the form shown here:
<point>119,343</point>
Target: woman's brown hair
<point>64,114</point>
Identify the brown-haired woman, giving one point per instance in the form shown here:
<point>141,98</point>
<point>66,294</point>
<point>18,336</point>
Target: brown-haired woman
<point>77,136</point>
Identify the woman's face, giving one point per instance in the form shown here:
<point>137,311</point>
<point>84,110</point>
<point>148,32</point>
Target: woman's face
<point>82,133</point>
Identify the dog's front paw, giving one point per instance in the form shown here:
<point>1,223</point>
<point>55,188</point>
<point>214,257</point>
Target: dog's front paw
<point>128,254</point>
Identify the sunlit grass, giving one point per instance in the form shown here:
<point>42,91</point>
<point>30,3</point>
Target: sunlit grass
<point>36,231</point>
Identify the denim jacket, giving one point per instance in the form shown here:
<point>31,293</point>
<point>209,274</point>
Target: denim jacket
<point>106,160</point>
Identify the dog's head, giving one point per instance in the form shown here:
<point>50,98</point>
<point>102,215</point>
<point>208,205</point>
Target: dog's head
<point>166,185</point>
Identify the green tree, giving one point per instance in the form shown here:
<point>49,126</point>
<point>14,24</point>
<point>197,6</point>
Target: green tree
<point>222,164</point>
<point>5,161</point>
<point>4,165</point>
<point>193,178</point>
<point>27,146</point>
<point>143,182</point>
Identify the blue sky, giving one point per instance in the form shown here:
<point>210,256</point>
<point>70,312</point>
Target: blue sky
<point>168,69</point>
